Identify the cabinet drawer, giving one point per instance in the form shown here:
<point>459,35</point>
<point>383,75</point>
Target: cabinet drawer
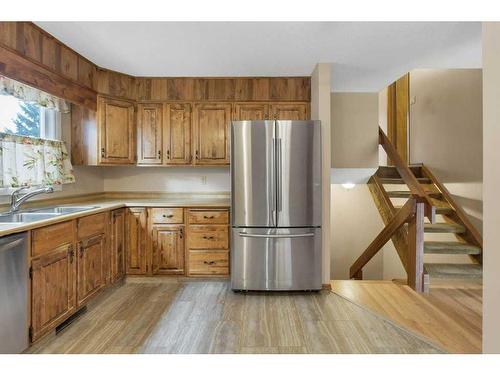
<point>208,217</point>
<point>92,225</point>
<point>167,215</point>
<point>208,262</point>
<point>208,237</point>
<point>49,238</point>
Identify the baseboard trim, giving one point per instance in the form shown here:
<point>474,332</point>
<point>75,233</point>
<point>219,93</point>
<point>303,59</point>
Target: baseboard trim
<point>326,286</point>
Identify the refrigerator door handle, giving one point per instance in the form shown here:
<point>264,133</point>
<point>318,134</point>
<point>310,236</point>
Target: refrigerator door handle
<point>280,175</point>
<point>245,234</point>
<point>274,213</point>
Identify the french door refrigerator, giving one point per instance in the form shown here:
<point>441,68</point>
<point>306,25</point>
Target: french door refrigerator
<point>276,204</point>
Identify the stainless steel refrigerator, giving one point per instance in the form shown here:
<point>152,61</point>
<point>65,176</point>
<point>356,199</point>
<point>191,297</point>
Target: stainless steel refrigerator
<point>276,205</point>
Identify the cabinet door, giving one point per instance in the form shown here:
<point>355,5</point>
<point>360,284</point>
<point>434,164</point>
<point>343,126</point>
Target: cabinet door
<point>289,111</point>
<point>116,131</point>
<point>211,139</point>
<point>136,243</point>
<point>53,289</point>
<point>117,244</point>
<point>251,111</point>
<point>91,257</point>
<point>177,140</point>
<point>168,249</point>
<point>149,134</point>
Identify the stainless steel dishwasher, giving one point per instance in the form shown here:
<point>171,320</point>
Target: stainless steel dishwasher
<point>14,283</point>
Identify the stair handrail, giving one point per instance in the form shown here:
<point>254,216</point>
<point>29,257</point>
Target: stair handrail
<point>416,190</point>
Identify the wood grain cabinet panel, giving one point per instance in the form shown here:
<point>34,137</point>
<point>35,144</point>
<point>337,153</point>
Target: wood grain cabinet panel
<point>168,249</point>
<point>90,275</point>
<point>116,131</point>
<point>208,216</point>
<point>92,225</point>
<point>250,111</point>
<point>117,244</point>
<point>136,241</point>
<point>46,239</point>
<point>208,237</point>
<point>211,124</point>
<point>53,289</point>
<point>208,262</point>
<point>177,138</point>
<point>149,134</point>
<point>167,215</point>
<point>289,111</point>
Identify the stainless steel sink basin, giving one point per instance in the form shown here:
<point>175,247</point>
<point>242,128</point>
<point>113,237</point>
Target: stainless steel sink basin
<point>62,210</point>
<point>27,217</point>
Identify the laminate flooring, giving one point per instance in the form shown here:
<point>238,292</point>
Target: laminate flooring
<point>165,315</point>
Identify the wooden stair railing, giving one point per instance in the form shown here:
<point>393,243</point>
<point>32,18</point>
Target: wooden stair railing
<point>408,177</point>
<point>412,213</point>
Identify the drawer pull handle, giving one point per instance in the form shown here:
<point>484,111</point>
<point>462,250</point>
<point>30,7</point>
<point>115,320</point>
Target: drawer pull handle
<point>208,217</point>
<point>208,237</point>
<point>209,262</point>
<point>168,216</point>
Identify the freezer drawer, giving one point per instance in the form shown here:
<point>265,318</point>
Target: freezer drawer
<point>276,259</point>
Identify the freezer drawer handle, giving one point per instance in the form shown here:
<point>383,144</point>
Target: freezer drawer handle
<point>245,234</point>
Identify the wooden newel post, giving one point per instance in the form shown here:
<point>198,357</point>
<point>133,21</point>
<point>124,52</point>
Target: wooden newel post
<point>416,248</point>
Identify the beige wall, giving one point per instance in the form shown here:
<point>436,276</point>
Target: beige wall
<point>354,130</point>
<point>320,110</point>
<point>173,180</point>
<point>355,223</point>
<point>491,152</point>
<point>446,132</point>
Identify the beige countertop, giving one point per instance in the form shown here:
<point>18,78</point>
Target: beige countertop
<point>107,204</point>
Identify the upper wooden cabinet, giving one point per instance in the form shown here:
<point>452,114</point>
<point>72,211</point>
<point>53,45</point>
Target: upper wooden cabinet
<point>211,133</point>
<point>116,123</point>
<point>250,111</point>
<point>149,134</point>
<point>177,136</point>
<point>289,111</point>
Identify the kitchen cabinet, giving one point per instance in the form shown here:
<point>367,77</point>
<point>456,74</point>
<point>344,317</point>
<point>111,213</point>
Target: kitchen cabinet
<point>168,249</point>
<point>289,111</point>
<point>91,258</point>
<point>149,134</point>
<point>177,139</point>
<point>117,244</point>
<point>136,241</point>
<point>211,128</point>
<point>116,131</point>
<point>53,289</point>
<point>250,111</point>
<point>208,242</point>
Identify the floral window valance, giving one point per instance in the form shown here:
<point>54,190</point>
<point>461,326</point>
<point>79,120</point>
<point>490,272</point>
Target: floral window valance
<point>26,161</point>
<point>32,95</point>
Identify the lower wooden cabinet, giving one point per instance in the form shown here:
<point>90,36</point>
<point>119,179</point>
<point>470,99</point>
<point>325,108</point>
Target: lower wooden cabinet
<point>168,249</point>
<point>136,241</point>
<point>53,289</point>
<point>91,258</point>
<point>208,262</point>
<point>117,244</point>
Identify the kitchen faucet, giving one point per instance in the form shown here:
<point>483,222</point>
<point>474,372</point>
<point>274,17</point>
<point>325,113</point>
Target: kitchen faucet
<point>16,200</point>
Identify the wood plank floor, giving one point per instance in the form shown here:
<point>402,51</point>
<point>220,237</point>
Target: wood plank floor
<point>158,316</point>
<point>450,315</point>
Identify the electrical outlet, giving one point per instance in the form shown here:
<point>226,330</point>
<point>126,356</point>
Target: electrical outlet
<point>203,180</point>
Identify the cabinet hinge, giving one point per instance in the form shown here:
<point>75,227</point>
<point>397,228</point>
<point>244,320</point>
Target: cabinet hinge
<point>30,333</point>
<point>31,272</point>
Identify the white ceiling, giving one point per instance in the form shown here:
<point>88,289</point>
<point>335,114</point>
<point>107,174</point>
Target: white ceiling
<point>366,56</point>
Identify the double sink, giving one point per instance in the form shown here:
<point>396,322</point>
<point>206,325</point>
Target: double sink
<point>31,216</point>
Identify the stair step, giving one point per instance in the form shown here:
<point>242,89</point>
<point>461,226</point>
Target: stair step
<point>440,210</point>
<point>407,194</point>
<point>399,181</point>
<point>392,172</point>
<point>443,228</point>
<point>445,247</point>
<point>454,271</point>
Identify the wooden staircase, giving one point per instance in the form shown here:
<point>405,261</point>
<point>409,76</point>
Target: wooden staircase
<point>409,198</point>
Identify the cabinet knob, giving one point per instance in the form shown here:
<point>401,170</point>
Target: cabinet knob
<point>196,155</point>
<point>209,262</point>
<point>168,154</point>
<point>103,152</point>
<point>168,216</point>
<point>208,217</point>
<point>159,154</point>
<point>181,232</point>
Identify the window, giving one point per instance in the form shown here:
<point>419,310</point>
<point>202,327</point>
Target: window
<point>28,119</point>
